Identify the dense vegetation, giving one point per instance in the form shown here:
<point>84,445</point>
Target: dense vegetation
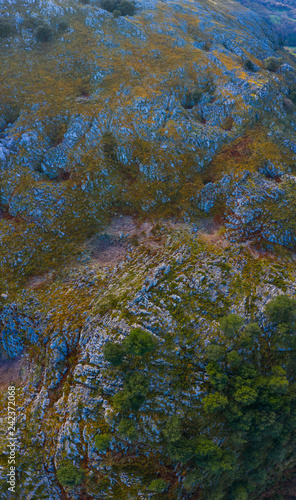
<point>241,435</point>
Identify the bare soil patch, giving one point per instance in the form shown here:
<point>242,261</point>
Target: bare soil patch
<point>10,371</point>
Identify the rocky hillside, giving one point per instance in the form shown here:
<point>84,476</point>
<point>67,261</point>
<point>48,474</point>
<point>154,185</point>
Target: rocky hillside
<point>147,219</point>
<point>281,14</point>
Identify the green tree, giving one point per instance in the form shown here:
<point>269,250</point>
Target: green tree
<point>43,32</point>
<point>6,28</point>
<point>69,475</point>
<point>245,395</point>
<point>114,353</point>
<point>215,352</point>
<point>132,396</point>
<point>139,342</point>
<point>172,430</point>
<point>214,402</point>
<point>102,441</point>
<point>234,359</point>
<point>231,324</point>
<point>157,486</point>
<point>282,310</point>
<point>127,429</point>
<point>126,8</point>
<point>273,63</point>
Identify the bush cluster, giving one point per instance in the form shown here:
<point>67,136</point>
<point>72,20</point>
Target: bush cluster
<point>43,32</point>
<point>119,7</point>
<point>102,441</point>
<point>69,475</point>
<point>134,391</point>
<point>6,28</point>
<point>249,65</point>
<point>273,63</point>
<point>157,486</point>
<point>137,343</point>
<point>192,98</point>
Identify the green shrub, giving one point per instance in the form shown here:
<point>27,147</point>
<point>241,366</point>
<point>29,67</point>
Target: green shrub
<point>108,5</point>
<point>234,359</point>
<point>139,342</point>
<point>127,429</point>
<point>273,63</point>
<point>69,475</point>
<point>102,441</point>
<point>6,28</point>
<point>214,402</point>
<point>119,8</point>
<point>231,324</point>
<point>63,26</point>
<point>192,98</point>
<point>133,394</point>
<point>114,353</point>
<point>249,65</point>
<point>126,8</point>
<point>172,430</point>
<point>43,32</point>
<point>215,352</point>
<point>282,309</point>
<point>157,486</point>
<point>136,384</point>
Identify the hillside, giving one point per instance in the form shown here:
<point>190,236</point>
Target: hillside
<point>281,14</point>
<point>147,228</point>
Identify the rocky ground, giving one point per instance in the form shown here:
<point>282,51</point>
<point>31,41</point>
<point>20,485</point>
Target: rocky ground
<point>147,179</point>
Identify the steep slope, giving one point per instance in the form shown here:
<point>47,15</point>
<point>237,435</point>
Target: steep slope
<point>282,14</point>
<point>130,114</point>
<point>170,112</point>
<point>178,294</point>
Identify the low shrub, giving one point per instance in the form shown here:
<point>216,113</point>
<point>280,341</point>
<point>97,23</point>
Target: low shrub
<point>63,26</point>
<point>102,441</point>
<point>157,486</point>
<point>228,123</point>
<point>139,342</point>
<point>273,63</point>
<point>43,32</point>
<point>69,475</point>
<point>6,28</point>
<point>114,353</point>
<point>249,65</point>
<point>191,99</point>
<point>127,429</point>
<point>288,105</point>
<point>119,7</point>
<point>292,95</point>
